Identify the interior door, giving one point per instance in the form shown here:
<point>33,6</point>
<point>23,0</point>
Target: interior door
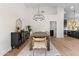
<point>53,26</point>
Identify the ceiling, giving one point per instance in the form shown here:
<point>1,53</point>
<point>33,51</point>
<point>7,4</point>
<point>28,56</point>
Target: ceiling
<point>50,4</point>
<point>65,5</point>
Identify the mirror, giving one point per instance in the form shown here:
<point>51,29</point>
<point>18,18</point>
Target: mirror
<point>18,24</point>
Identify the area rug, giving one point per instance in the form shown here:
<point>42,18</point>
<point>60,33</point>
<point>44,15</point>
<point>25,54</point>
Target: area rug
<point>39,52</point>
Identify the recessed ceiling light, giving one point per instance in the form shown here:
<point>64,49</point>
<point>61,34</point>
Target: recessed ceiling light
<point>72,7</point>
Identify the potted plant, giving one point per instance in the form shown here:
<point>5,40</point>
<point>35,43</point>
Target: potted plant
<point>29,29</point>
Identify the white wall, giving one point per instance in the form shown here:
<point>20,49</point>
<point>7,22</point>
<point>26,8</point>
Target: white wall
<point>9,13</point>
<point>55,14</point>
<point>60,22</point>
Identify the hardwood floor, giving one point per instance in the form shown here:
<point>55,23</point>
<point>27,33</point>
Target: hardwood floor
<point>14,52</point>
<point>66,46</point>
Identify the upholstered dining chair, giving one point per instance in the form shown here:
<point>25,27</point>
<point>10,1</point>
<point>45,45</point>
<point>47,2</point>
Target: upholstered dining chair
<point>39,43</point>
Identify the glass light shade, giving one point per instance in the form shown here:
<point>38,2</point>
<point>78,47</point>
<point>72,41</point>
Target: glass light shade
<point>72,24</point>
<point>37,17</point>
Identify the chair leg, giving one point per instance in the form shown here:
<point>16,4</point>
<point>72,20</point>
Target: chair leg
<point>45,52</point>
<point>33,51</point>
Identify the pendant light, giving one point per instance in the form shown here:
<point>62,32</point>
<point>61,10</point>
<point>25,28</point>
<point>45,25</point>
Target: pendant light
<point>74,14</point>
<point>38,16</point>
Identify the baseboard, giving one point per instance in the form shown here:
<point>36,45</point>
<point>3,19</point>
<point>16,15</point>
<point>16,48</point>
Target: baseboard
<point>4,51</point>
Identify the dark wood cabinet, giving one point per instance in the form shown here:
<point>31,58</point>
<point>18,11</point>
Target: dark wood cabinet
<point>25,35</point>
<point>18,38</point>
<point>74,34</point>
<point>15,39</point>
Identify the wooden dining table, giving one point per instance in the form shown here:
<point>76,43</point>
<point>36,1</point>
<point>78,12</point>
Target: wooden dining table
<point>40,35</point>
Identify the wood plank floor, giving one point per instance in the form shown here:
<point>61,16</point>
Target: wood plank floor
<point>14,52</point>
<point>66,46</point>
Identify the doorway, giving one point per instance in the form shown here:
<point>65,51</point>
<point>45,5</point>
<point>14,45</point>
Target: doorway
<point>53,28</point>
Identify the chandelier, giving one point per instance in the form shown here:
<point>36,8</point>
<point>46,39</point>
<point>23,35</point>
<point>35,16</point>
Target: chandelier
<point>38,16</point>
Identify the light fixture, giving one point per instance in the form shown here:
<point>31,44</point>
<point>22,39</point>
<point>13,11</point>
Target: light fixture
<point>75,14</point>
<point>38,16</point>
<point>72,23</point>
<point>72,7</point>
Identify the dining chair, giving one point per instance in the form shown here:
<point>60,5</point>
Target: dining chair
<point>39,43</point>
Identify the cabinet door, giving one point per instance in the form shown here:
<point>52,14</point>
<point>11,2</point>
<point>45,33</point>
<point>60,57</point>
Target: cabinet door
<point>15,39</point>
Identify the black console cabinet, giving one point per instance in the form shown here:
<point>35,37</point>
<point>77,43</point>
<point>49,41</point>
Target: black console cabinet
<point>18,38</point>
<point>25,35</point>
<point>15,39</point>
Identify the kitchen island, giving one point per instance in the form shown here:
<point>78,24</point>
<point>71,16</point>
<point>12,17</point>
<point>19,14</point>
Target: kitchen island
<point>72,33</point>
